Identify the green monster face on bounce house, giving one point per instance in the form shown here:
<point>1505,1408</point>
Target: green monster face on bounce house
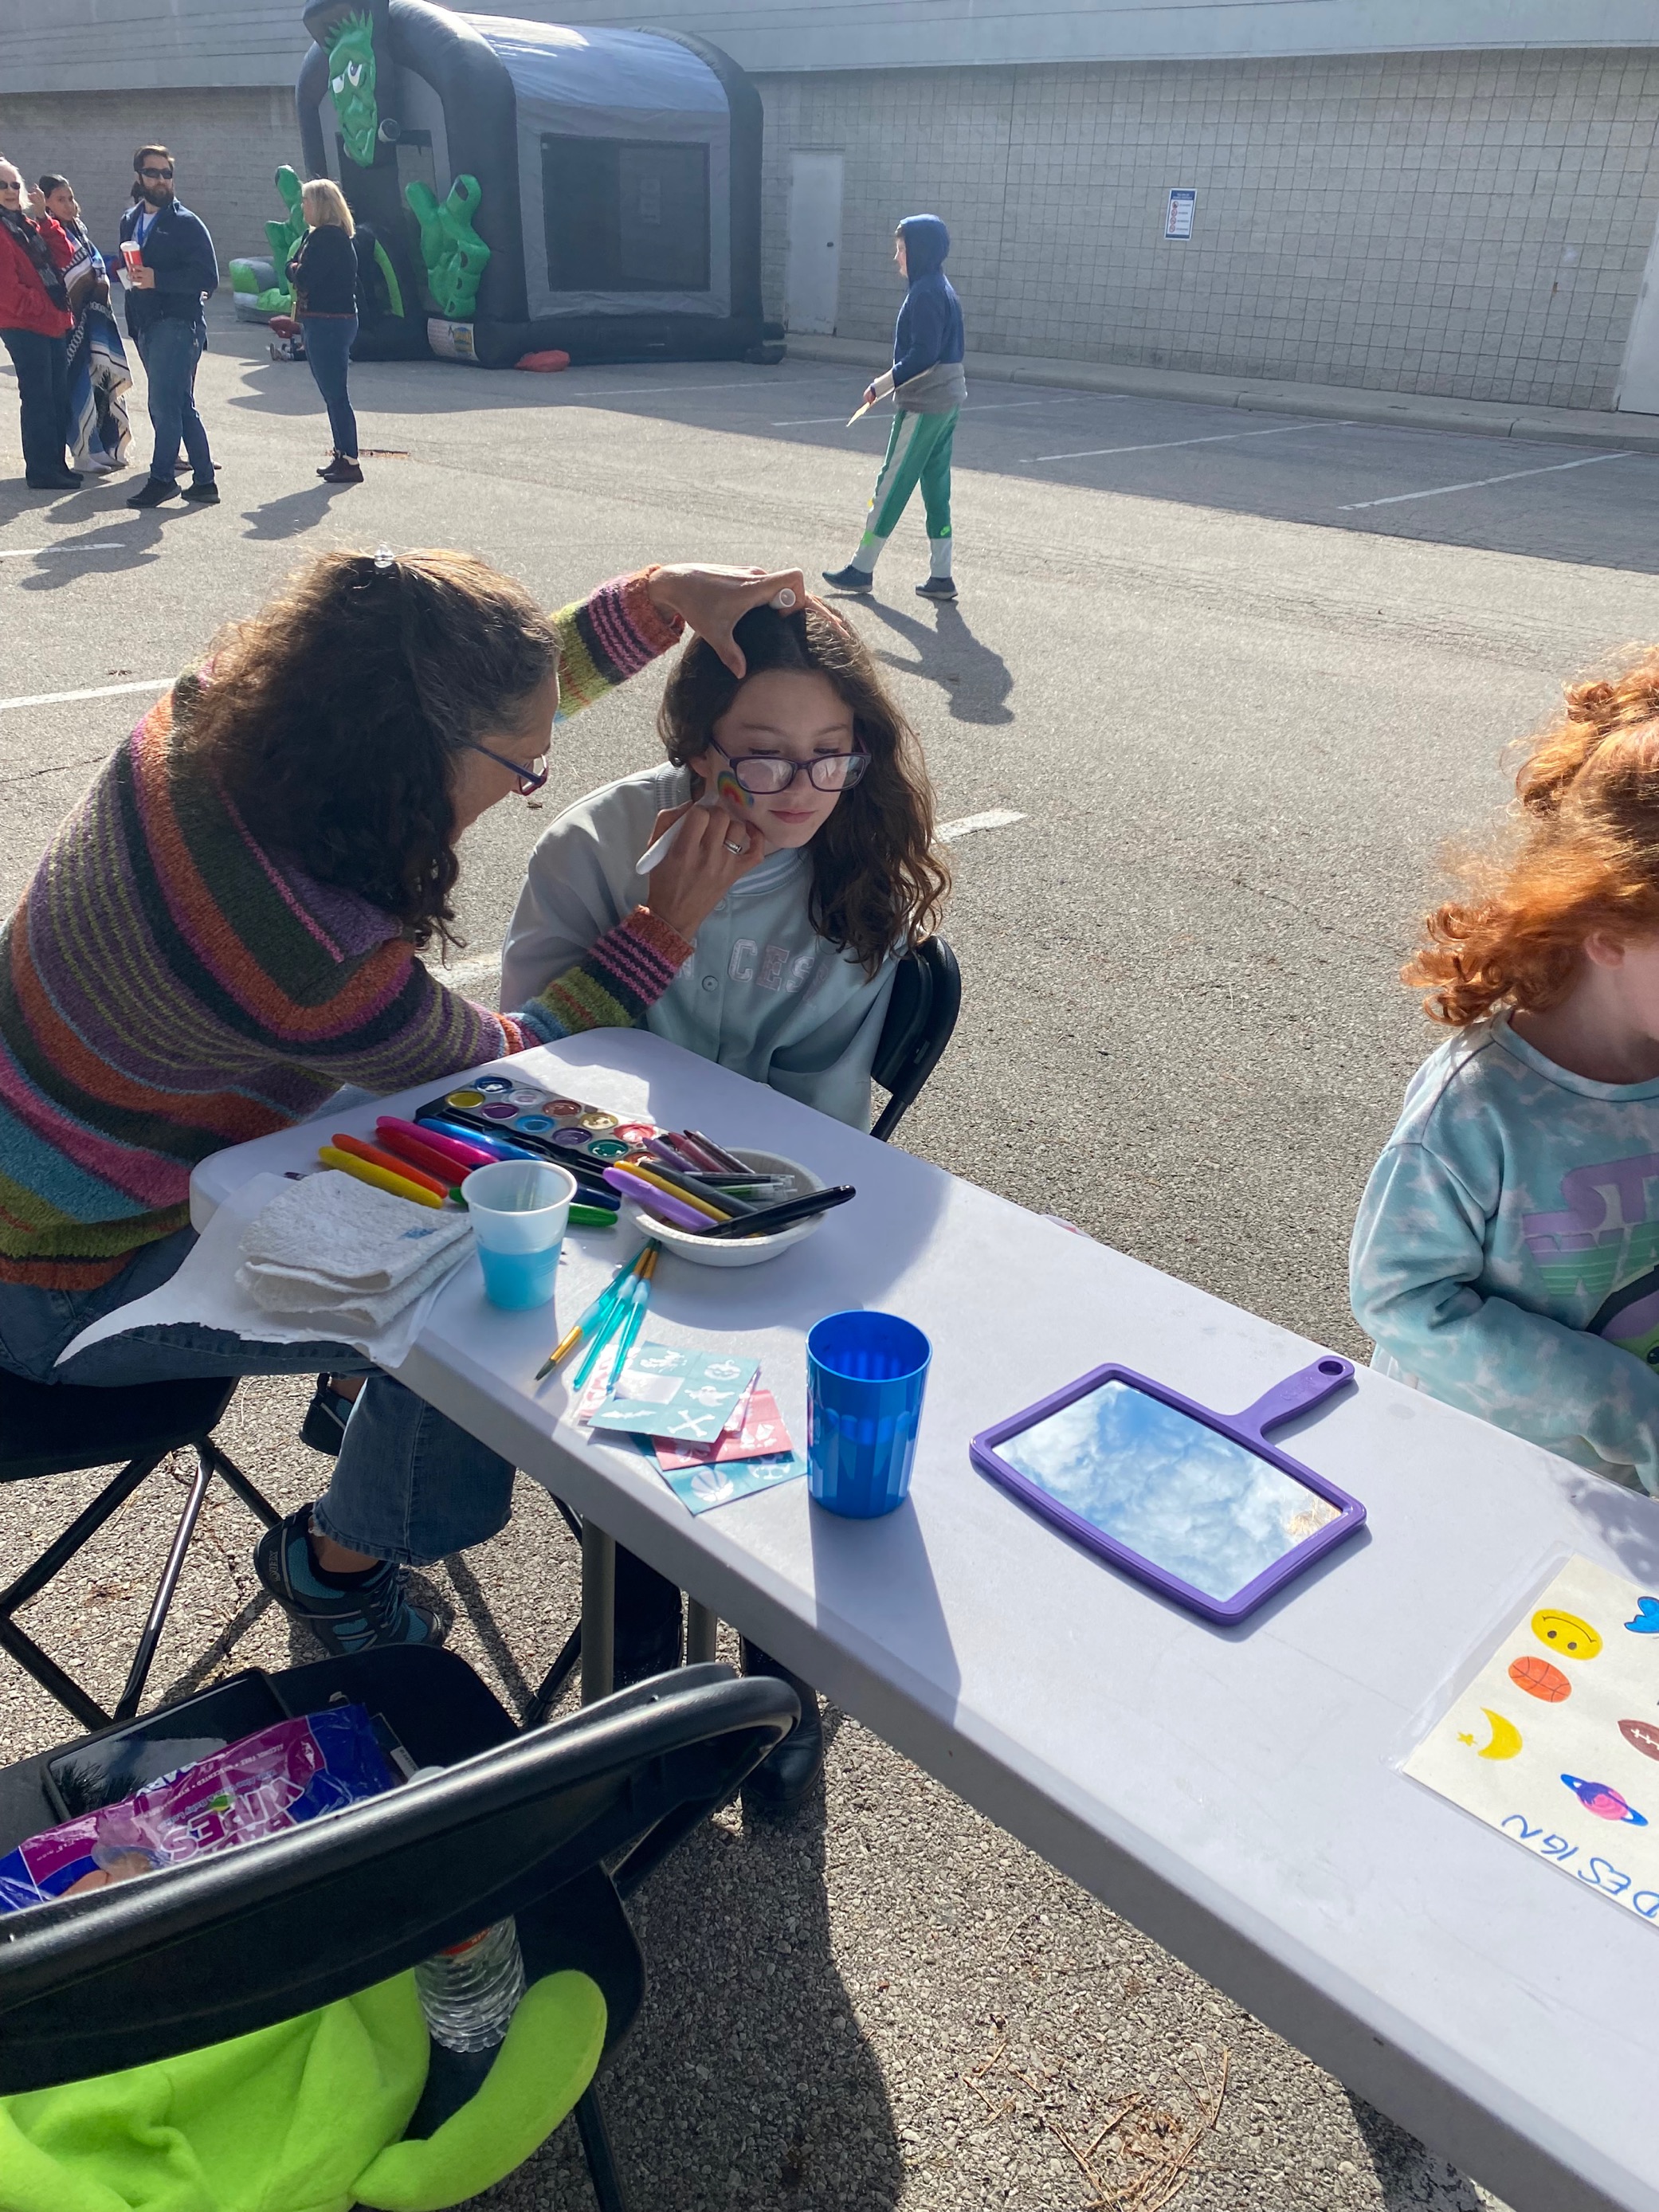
<point>351,82</point>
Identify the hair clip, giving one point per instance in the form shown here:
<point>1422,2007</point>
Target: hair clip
<point>384,558</point>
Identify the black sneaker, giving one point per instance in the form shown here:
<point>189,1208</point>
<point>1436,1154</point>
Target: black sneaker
<point>203,494</point>
<point>851,578</point>
<point>324,1425</point>
<point>66,480</point>
<point>937,587</point>
<point>373,1614</point>
<point>153,491</point>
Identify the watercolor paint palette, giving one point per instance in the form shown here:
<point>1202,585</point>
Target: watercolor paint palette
<point>540,1120</point>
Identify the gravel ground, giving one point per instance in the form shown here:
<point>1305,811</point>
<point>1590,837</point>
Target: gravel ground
<point>1238,726</point>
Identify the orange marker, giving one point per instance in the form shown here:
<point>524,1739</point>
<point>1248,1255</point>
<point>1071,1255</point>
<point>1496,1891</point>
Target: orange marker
<point>391,1162</point>
<point>379,1178</point>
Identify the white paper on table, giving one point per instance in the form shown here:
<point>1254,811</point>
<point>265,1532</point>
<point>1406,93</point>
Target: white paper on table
<point>205,1291</point>
<point>1555,1743</point>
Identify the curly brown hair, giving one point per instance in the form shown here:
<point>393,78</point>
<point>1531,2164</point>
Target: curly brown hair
<point>1582,855</point>
<point>879,882</point>
<point>336,716</point>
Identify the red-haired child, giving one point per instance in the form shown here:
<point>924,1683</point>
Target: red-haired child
<point>1506,1255</point>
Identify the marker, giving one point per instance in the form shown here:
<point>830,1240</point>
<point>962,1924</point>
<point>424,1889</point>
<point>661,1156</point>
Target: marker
<point>726,1161</point>
<point>783,1215</point>
<point>590,1217</point>
<point>698,1156</point>
<point>381,1178</point>
<point>458,1148</point>
<point>714,1210</point>
<point>426,1158</point>
<point>679,1212</point>
<point>393,1166</point>
<point>492,1146</point>
<point>718,1200</point>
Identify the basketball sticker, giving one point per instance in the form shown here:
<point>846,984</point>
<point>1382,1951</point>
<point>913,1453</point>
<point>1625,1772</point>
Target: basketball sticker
<point>1540,1680</point>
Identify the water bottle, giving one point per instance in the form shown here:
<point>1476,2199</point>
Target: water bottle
<point>470,1991</point>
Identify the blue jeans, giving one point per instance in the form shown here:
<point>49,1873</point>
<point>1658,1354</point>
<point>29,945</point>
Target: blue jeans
<point>409,1485</point>
<point>42,366</point>
<point>170,349</point>
<point>328,348</point>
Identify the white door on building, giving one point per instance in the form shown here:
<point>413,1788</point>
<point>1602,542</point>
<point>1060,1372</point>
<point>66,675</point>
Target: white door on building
<point>1639,385</point>
<point>812,276</point>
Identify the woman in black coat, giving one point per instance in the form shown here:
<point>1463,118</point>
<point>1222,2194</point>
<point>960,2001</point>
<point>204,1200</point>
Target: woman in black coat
<point>324,274</point>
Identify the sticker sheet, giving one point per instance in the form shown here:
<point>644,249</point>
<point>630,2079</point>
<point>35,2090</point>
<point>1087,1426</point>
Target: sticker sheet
<point>669,1390</point>
<point>756,1431</point>
<point>1556,1740</point>
<point>719,1482</point>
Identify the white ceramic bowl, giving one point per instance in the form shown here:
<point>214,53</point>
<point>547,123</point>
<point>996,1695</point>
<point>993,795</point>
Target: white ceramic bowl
<point>735,1251</point>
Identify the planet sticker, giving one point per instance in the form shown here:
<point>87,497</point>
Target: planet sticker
<point>1604,1800</point>
<point>1540,1680</point>
<point>1506,1739</point>
<point>1565,1632</point>
<point>1641,1735</point>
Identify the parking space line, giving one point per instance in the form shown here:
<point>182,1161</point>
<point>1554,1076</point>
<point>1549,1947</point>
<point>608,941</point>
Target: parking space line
<point>971,407</point>
<point>633,391</point>
<point>997,817</point>
<point>1478,483</point>
<point>34,552</point>
<point>101,691</point>
<point>1164,445</point>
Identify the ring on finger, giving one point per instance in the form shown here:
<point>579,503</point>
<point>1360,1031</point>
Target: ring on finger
<point>731,847</point>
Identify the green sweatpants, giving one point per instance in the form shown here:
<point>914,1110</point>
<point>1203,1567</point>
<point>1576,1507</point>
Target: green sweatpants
<point>918,452</point>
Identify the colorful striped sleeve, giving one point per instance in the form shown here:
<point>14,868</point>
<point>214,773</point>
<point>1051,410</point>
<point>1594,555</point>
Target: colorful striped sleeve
<point>608,637</point>
<point>614,984</point>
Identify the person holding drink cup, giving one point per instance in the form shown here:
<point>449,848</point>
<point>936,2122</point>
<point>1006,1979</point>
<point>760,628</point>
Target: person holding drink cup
<point>170,271</point>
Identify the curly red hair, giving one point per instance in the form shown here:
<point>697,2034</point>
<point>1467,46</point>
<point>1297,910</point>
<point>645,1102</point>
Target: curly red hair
<point>1582,855</point>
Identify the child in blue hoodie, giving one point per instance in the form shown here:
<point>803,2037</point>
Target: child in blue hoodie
<point>927,384</point>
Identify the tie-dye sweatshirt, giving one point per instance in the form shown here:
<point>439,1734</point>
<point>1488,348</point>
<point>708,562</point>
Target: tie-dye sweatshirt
<point>1506,1255</point>
<point>168,986</point>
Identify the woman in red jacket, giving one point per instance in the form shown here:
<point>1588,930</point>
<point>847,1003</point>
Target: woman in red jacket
<point>35,323</point>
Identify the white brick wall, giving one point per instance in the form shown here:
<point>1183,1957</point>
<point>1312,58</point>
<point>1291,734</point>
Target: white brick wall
<point>227,146</point>
<point>1473,226</point>
<point>1469,225</point>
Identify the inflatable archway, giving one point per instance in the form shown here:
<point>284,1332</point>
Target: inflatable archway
<point>535,186</point>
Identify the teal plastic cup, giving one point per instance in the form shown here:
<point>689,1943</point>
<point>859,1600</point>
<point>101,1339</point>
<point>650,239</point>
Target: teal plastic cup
<point>866,1376</point>
<point>519,1210</point>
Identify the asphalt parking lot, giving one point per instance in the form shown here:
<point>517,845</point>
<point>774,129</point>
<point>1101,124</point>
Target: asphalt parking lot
<point>1218,691</point>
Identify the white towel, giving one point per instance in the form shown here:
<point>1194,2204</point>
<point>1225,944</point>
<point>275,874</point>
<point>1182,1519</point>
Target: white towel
<point>337,1249</point>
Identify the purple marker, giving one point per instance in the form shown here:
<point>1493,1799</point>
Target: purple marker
<point>656,1201</point>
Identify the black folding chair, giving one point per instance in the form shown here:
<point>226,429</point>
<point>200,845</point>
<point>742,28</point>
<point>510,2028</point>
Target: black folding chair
<point>63,1429</point>
<point>554,1826</point>
<point>920,1017</point>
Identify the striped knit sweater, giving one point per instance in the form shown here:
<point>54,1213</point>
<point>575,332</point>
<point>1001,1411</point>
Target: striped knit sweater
<point>167,987</point>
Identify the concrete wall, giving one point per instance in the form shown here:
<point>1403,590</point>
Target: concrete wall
<point>227,147</point>
<point>97,45</point>
<point>1474,226</point>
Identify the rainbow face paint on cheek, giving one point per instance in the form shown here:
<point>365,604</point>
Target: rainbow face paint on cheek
<point>727,787</point>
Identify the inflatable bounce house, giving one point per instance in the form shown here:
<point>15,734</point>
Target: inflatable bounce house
<point>529,187</point>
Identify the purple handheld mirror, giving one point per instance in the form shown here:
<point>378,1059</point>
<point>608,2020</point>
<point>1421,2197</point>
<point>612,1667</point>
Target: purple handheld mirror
<point>1195,1503</point>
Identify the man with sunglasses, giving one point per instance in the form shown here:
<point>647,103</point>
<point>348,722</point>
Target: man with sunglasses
<point>178,272</point>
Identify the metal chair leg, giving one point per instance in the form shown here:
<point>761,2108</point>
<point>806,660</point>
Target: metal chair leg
<point>80,1531</point>
<point>50,1675</point>
<point>138,1674</point>
<point>255,1499</point>
<point>596,2148</point>
<point>598,1611</point>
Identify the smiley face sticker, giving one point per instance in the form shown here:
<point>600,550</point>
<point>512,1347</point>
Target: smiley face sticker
<point>1566,1633</point>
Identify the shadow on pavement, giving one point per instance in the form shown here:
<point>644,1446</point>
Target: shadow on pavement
<point>976,681</point>
<point>293,514</point>
<point>1412,2178</point>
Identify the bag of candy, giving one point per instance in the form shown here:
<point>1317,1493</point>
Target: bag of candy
<point>293,1771</point>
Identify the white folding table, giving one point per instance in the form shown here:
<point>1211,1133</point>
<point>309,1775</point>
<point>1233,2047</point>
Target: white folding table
<point>1234,1793</point>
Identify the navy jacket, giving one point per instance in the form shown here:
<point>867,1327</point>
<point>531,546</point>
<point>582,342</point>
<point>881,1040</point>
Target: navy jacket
<point>177,248</point>
<point>929,327</point>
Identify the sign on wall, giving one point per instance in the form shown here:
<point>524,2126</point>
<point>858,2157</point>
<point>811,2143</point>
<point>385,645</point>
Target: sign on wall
<point>1178,216</point>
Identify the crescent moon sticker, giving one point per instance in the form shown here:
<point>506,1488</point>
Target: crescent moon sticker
<point>1506,1738</point>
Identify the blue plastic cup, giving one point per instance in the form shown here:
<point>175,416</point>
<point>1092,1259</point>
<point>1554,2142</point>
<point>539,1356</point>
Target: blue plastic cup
<point>865,1375</point>
<point>519,1210</point>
